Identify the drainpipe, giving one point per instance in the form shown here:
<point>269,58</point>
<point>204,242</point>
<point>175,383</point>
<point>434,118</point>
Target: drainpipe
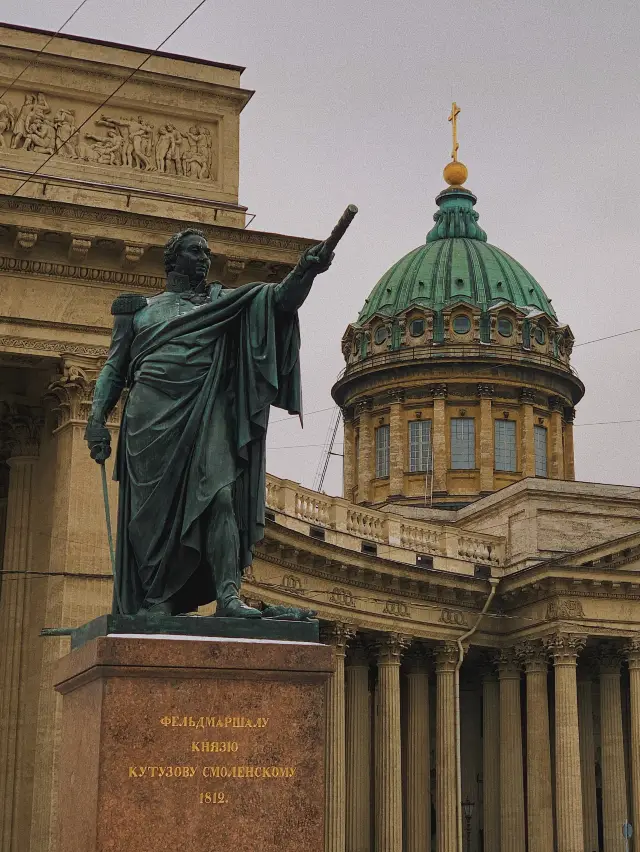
<point>494,584</point>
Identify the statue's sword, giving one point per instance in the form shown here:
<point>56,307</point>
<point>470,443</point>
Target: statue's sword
<point>107,515</point>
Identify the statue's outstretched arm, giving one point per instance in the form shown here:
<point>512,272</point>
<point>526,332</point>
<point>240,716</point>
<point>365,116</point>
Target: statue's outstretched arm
<point>291,292</point>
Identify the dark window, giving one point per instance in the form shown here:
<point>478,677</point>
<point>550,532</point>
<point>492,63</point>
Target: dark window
<point>539,335</point>
<point>461,324</point>
<point>505,327</point>
<point>380,335</point>
<point>416,329</point>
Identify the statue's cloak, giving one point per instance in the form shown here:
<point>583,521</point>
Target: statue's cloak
<point>195,421</point>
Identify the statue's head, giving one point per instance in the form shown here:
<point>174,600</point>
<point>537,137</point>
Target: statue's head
<point>187,253</point>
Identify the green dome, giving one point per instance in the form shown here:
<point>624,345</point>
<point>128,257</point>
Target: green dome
<point>456,264</point>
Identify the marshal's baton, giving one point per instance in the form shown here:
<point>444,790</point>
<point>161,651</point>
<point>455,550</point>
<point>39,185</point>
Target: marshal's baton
<point>340,229</point>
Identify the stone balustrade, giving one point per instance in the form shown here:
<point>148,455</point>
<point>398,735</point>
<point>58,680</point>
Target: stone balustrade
<point>395,538</point>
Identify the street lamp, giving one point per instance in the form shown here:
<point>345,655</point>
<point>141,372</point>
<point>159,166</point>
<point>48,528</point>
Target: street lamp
<point>467,810</point>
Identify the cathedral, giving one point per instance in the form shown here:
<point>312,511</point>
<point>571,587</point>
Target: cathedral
<point>481,602</point>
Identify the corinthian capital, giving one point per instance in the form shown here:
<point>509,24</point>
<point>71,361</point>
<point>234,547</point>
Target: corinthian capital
<point>20,429</point>
<point>508,662</point>
<point>337,634</point>
<point>390,648</point>
<point>609,658</point>
<point>632,651</point>
<point>564,648</point>
<point>447,655</point>
<point>533,655</point>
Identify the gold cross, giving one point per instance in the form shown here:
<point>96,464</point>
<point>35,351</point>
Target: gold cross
<point>455,112</point>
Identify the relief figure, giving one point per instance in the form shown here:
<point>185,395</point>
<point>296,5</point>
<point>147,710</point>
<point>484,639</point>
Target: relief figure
<point>136,133</point>
<point>40,135</point>
<point>7,121</point>
<point>106,150</point>
<point>67,140</point>
<point>196,159</point>
<point>168,149</point>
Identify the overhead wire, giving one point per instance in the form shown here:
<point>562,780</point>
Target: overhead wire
<point>34,61</point>
<point>115,92</point>
<point>608,337</point>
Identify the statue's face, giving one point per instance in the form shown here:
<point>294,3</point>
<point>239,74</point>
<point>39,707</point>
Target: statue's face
<point>193,258</point>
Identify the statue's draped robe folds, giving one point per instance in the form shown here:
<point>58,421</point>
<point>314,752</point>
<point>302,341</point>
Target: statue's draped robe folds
<point>195,422</point>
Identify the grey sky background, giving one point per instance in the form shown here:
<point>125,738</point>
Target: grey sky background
<point>351,106</point>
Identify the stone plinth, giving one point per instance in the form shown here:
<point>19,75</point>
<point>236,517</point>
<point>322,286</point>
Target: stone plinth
<point>204,744</point>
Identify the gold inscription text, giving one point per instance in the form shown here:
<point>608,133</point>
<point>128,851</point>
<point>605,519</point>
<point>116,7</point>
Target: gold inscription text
<point>218,747</point>
<point>203,722</point>
<point>213,799</point>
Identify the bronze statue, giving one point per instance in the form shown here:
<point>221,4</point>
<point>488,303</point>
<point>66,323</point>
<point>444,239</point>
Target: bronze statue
<point>203,365</point>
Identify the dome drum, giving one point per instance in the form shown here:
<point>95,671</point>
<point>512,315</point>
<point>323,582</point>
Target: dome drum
<point>449,443</point>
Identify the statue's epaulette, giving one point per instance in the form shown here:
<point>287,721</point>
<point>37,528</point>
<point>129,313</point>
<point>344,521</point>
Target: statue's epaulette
<point>128,303</point>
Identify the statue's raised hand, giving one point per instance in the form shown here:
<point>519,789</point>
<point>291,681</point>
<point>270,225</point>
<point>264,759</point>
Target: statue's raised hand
<point>98,438</point>
<point>317,259</point>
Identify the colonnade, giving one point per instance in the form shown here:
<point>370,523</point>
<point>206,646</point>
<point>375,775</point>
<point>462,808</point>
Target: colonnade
<point>553,715</point>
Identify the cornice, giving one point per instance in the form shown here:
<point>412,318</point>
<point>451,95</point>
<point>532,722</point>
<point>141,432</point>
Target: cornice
<point>156,224</point>
<point>63,326</point>
<point>79,273</point>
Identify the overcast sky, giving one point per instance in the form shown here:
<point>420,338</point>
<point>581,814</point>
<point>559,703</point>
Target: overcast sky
<point>351,106</point>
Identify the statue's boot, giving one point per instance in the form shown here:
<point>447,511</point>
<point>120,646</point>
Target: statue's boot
<point>235,608</point>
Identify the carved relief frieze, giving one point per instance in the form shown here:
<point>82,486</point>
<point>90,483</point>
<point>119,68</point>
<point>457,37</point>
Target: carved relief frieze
<point>29,123</point>
<point>454,617</point>
<point>342,597</point>
<point>564,608</point>
<point>397,608</point>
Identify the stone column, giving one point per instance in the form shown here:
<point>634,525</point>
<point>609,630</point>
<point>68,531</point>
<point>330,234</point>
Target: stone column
<point>557,448</point>
<point>446,788</point>
<point>569,461</point>
<point>397,444</point>
<point>417,775</point>
<point>512,821</point>
<point>349,461</point>
<point>539,793</point>
<point>337,635</point>
<point>365,461</point>
<point>358,750</point>
<point>491,758</point>
<point>485,392</point>
<point>78,548</point>
<point>614,783</point>
<point>587,759</point>
<point>440,439</point>
<point>527,446</point>
<point>389,763</point>
<point>570,832</point>
<point>22,435</point>
<point>633,658</point>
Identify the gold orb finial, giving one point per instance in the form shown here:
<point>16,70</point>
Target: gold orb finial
<point>455,173</point>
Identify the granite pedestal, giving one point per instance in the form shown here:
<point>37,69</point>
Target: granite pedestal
<point>203,744</point>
